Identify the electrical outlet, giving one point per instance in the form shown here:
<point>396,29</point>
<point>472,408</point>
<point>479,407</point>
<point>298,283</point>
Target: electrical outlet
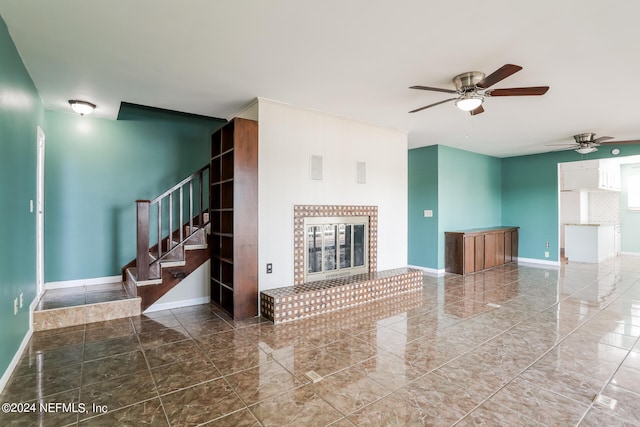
<point>21,299</point>
<point>546,254</point>
<point>15,306</point>
<point>269,268</point>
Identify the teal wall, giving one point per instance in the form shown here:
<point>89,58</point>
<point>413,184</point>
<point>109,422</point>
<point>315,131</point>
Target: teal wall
<point>462,188</point>
<point>469,192</point>
<point>630,221</point>
<point>530,197</point>
<point>423,194</point>
<point>530,201</point>
<point>95,171</point>
<point>21,111</point>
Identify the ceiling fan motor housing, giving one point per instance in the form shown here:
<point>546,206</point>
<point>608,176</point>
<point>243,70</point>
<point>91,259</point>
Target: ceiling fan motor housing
<point>467,82</point>
<point>583,138</point>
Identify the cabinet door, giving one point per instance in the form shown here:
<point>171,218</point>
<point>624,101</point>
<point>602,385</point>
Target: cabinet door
<point>514,245</point>
<point>469,255</point>
<point>479,254</point>
<point>507,247</point>
<point>499,254</point>
<point>489,250</point>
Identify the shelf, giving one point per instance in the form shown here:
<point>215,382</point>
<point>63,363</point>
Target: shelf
<point>234,269</point>
<point>219,283</point>
<point>221,234</point>
<point>222,181</point>
<point>217,156</point>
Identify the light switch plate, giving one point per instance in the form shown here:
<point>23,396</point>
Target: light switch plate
<point>428,213</point>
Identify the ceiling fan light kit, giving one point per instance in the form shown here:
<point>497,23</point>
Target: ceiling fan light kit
<point>469,102</point>
<point>586,150</point>
<point>473,86</point>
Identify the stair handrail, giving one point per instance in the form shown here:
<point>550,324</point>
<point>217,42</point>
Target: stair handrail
<point>143,209</point>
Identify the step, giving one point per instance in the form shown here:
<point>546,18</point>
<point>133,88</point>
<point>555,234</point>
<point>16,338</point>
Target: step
<point>60,308</point>
<point>154,276</point>
<point>197,241</point>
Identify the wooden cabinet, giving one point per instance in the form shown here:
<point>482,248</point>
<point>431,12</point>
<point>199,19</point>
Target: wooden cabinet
<point>478,249</point>
<point>234,218</point>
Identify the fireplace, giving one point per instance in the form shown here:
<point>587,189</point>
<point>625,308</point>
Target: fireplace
<point>333,241</point>
<point>335,247</point>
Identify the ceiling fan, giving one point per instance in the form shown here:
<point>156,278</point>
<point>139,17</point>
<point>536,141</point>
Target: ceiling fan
<point>586,143</point>
<point>472,87</point>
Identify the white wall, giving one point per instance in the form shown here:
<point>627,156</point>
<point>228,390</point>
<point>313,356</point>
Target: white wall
<point>288,136</point>
<point>192,290</point>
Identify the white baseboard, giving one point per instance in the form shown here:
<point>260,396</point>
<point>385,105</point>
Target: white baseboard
<point>537,261</point>
<point>178,304</point>
<point>16,359</point>
<point>432,271</point>
<point>32,308</point>
<point>83,282</point>
<point>630,253</point>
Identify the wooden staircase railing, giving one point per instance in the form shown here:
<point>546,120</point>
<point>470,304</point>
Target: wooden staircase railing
<point>161,211</point>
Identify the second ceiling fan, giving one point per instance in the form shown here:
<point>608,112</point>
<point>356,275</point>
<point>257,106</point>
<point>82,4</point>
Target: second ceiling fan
<point>472,87</point>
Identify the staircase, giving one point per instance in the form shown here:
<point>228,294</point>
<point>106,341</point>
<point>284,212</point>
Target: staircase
<point>177,223</point>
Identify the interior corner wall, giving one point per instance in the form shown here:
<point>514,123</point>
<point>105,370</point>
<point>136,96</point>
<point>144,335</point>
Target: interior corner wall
<point>469,192</point>
<point>21,112</point>
<point>95,171</point>
<point>423,195</point>
<point>288,136</point>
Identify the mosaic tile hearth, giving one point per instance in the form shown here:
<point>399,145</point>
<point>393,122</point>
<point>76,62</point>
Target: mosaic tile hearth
<point>310,299</point>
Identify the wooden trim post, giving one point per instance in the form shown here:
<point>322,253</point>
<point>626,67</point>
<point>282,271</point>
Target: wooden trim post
<point>142,239</point>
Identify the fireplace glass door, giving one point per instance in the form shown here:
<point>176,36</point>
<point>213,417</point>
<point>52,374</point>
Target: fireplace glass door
<point>335,247</point>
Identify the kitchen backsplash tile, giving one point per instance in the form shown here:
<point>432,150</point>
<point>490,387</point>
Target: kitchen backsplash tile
<point>604,207</point>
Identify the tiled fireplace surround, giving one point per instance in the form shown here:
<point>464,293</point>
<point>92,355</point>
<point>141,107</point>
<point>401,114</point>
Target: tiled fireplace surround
<point>303,300</point>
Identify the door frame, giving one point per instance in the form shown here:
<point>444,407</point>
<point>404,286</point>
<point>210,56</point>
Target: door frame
<point>40,147</point>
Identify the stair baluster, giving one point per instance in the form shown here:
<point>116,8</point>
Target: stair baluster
<point>144,261</point>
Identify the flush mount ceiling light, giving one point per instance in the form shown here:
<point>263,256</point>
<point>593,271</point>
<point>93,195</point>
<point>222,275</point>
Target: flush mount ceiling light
<point>469,102</point>
<point>82,107</point>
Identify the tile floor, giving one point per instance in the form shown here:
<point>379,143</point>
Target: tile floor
<point>516,345</point>
<point>80,295</point>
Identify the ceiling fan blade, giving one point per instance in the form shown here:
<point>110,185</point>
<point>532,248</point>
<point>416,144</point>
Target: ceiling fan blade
<point>631,141</point>
<point>519,91</point>
<point>565,149</point>
<point>435,89</point>
<point>432,105</point>
<point>566,145</point>
<point>477,111</point>
<point>601,139</point>
<point>498,75</point>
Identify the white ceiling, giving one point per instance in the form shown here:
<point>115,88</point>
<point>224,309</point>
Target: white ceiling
<point>354,58</point>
